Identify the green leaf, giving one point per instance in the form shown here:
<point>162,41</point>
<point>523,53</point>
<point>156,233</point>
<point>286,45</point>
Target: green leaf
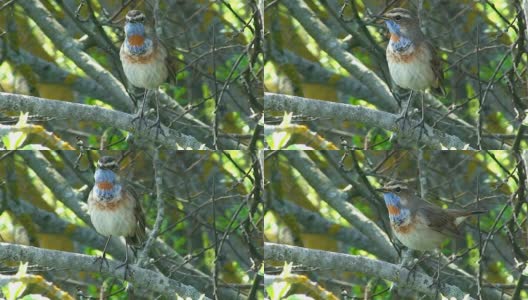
<point>302,147</point>
<point>34,147</point>
<point>278,289</point>
<point>279,138</point>
<point>14,140</point>
<point>525,271</point>
<point>14,290</point>
<point>299,297</point>
<point>34,297</point>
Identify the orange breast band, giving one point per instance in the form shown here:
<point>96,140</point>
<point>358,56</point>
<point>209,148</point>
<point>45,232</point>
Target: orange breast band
<point>136,40</point>
<point>394,37</point>
<point>393,210</point>
<point>105,185</point>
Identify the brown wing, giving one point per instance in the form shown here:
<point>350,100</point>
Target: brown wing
<point>438,220</point>
<point>172,64</point>
<point>436,64</point>
<point>139,236</point>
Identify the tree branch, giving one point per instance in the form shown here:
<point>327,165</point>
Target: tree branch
<point>344,262</point>
<point>370,117</point>
<point>142,278</point>
<point>81,112</point>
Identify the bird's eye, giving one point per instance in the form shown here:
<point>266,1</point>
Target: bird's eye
<point>397,18</point>
<point>397,189</point>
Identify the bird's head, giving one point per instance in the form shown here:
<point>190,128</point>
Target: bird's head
<point>401,23</point>
<point>135,28</point>
<point>107,186</point>
<point>107,163</point>
<point>396,196</point>
<point>105,176</point>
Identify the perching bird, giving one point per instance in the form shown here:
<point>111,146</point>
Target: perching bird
<point>412,60</point>
<point>143,57</point>
<point>418,224</point>
<point>114,209</point>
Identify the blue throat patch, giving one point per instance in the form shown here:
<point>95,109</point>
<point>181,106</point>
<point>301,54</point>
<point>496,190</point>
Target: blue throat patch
<point>139,50</point>
<point>403,43</point>
<point>393,27</point>
<point>106,176</point>
<point>394,200</point>
<point>137,29</point>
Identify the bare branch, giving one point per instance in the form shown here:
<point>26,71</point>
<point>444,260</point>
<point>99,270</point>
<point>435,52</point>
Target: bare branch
<point>81,112</point>
<point>352,263</point>
<point>142,278</point>
<point>343,112</point>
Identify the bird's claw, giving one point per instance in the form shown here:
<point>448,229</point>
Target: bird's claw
<point>412,270</point>
<point>403,119</point>
<point>102,260</point>
<point>159,130</point>
<point>127,270</point>
<point>141,118</point>
<point>421,124</point>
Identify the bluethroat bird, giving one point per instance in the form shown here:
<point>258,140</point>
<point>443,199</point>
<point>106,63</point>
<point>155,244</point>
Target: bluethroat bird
<point>114,209</point>
<point>412,60</point>
<point>144,58</point>
<point>420,225</point>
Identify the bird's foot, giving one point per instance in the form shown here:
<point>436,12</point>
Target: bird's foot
<point>412,271</point>
<point>421,124</point>
<point>127,270</point>
<point>140,118</point>
<point>436,276</point>
<point>436,279</point>
<point>401,120</point>
<point>101,259</point>
<point>159,130</point>
<point>436,283</point>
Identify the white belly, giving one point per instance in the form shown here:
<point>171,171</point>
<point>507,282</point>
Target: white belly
<point>149,74</point>
<point>415,74</point>
<point>422,238</point>
<point>118,222</point>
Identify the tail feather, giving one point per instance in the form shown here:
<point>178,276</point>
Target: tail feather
<point>477,212</point>
<point>461,214</point>
<point>466,213</point>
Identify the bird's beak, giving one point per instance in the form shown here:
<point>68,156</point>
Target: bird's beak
<point>381,189</point>
<point>381,19</point>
